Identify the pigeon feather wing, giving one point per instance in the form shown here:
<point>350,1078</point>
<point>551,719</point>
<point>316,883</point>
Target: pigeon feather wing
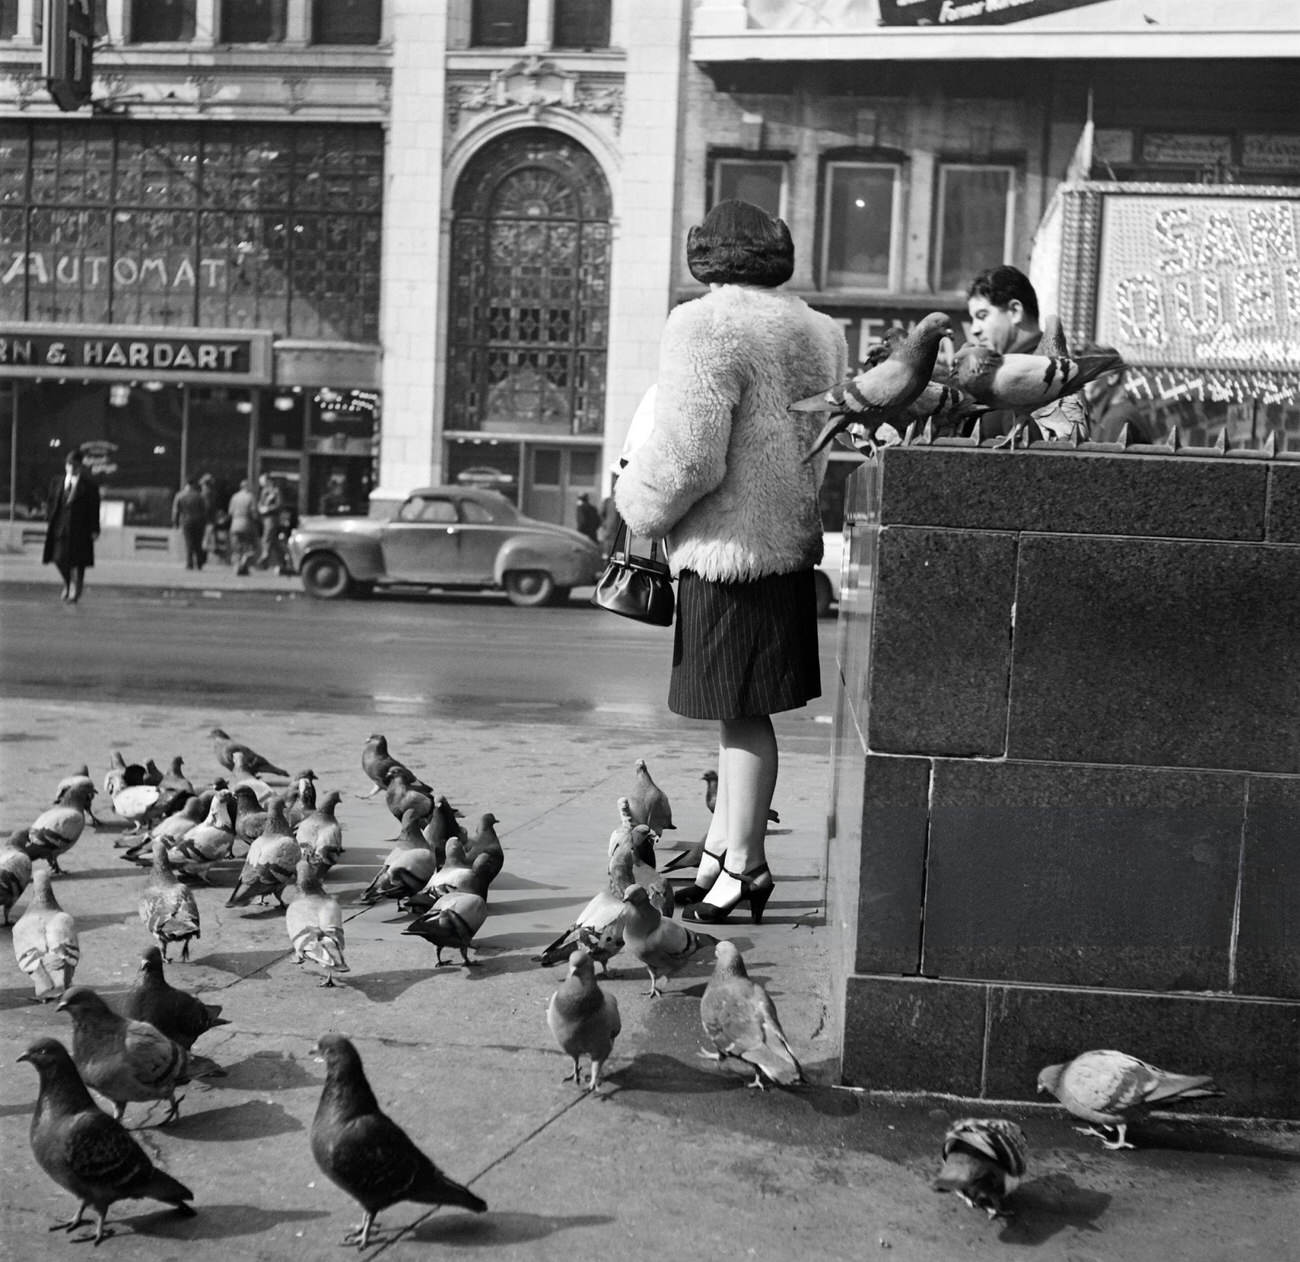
<point>741,1020</point>
<point>995,1139</point>
<point>155,1059</point>
<point>98,1152</point>
<point>373,1159</point>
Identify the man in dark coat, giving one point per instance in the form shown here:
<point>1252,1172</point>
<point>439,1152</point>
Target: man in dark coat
<point>72,511</point>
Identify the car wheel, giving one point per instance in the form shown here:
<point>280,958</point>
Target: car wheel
<point>325,576</point>
<point>824,594</point>
<point>528,588</point>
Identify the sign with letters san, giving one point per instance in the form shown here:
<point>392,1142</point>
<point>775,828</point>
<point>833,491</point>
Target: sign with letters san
<point>970,12</point>
<point>66,58</point>
<point>123,353</point>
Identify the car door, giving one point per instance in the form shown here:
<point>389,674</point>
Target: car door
<point>422,543</point>
<point>482,535</point>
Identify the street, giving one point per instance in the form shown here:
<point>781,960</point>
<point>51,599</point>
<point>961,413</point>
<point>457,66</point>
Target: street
<point>448,658</point>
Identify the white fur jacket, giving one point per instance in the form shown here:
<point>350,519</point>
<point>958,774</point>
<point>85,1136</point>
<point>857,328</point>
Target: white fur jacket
<point>721,474</point>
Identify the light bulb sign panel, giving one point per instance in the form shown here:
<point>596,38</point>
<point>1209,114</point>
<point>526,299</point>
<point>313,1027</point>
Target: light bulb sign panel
<point>1200,281</point>
<point>67,38</point>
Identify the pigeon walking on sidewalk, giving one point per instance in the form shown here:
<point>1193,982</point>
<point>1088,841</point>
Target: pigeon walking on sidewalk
<point>662,945</point>
<point>314,922</point>
<point>182,1017</point>
<point>647,801</point>
<point>365,1153</point>
<point>984,1160</point>
<point>167,907</point>
<point>87,1152</point>
<point>45,940</point>
<point>225,748</point>
<point>583,1018</point>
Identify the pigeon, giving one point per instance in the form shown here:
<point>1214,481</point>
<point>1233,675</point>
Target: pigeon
<point>486,842</point>
<point>138,804</point>
<point>206,843</point>
<point>455,874</point>
<point>455,916</point>
<point>167,907</point>
<point>254,763</point>
<point>320,835</point>
<point>663,946</point>
<point>45,940</point>
<point>1027,381</point>
<point>271,862</point>
<point>250,817</point>
<point>175,777</point>
<point>300,797</point>
<point>402,795</point>
<point>1111,1088</point>
<point>182,1017</point>
<point>740,1020</point>
<point>124,1060</point>
<point>315,924</point>
<point>983,1162</point>
<point>57,828</point>
<point>242,777</point>
<point>648,802</point>
<point>583,1019</point>
<point>710,779</point>
<point>377,762</point>
<point>442,826</point>
<point>87,1152</point>
<point>633,864</point>
<point>365,1153</point>
<point>598,930</point>
<point>79,779</point>
<point>407,868</point>
<point>15,872</point>
<point>115,778</point>
<point>884,391</point>
<point>173,827</point>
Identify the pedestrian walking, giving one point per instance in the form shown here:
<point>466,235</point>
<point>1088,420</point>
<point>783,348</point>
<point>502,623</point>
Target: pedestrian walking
<point>269,503</point>
<point>72,511</point>
<point>588,517</point>
<point>242,511</point>
<point>190,517</point>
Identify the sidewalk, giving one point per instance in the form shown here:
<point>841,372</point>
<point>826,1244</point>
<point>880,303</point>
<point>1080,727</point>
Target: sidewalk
<point>675,1157</point>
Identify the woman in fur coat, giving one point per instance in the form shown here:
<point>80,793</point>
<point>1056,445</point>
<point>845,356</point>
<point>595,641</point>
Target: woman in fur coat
<point>721,478</point>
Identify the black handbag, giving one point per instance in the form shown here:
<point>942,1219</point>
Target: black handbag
<point>639,587</point>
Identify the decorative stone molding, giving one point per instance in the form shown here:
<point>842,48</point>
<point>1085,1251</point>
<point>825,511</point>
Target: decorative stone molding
<point>205,88</point>
<point>26,85</point>
<point>534,84</point>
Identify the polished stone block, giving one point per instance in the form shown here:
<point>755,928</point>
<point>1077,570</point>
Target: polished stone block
<point>1156,654</point>
<point>1249,1046</point>
<point>891,874</point>
<point>941,642</point>
<point>1072,492</point>
<point>1268,942</point>
<point>1082,876</point>
<point>908,1034</point>
<point>1282,524</point>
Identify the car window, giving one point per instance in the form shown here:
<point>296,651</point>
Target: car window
<point>474,513</point>
<point>438,511</point>
<point>410,511</point>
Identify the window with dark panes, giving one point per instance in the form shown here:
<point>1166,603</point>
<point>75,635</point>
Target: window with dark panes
<point>214,226</point>
<point>38,19</point>
<point>346,21</point>
<point>761,183</point>
<point>251,21</point>
<point>860,215</point>
<point>581,24</point>
<point>162,21</point>
<point>8,19</point>
<point>974,221</point>
<point>499,24</point>
<point>529,323</point>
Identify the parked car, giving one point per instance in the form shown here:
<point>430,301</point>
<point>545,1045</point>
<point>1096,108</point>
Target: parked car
<point>447,537</point>
<point>828,575</point>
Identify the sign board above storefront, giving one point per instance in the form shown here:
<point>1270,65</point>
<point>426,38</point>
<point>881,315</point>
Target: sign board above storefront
<point>67,38</point>
<point>970,12</point>
<point>122,353</point>
<point>1208,281</point>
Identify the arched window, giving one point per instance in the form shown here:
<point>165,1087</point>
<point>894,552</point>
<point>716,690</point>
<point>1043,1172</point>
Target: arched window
<point>529,311</point>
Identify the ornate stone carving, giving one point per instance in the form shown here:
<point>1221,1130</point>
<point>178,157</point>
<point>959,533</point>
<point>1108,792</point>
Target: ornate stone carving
<point>205,88</point>
<point>26,85</point>
<point>536,84</point>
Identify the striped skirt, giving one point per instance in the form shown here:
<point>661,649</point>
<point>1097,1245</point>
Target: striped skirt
<point>744,649</point>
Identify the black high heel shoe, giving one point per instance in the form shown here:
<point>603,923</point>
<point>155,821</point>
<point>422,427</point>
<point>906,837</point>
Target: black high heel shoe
<point>694,893</point>
<point>756,888</point>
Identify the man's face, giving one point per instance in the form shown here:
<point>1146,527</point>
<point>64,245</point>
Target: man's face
<point>994,327</point>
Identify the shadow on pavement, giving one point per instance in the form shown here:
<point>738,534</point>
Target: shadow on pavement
<point>267,1071</point>
<point>242,963</point>
<point>1053,1203</point>
<point>385,987</point>
<point>216,1222</point>
<point>495,1228</point>
<point>253,1119</point>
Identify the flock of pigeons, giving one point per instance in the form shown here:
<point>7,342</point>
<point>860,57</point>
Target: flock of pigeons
<point>904,383</point>
<point>141,1050</point>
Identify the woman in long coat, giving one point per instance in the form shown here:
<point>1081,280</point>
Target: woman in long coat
<point>73,517</point>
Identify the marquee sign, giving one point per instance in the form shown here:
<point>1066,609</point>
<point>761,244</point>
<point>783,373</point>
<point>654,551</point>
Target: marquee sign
<point>1200,281</point>
<point>970,12</point>
<point>122,353</point>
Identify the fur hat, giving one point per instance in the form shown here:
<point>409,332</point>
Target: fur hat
<point>740,244</point>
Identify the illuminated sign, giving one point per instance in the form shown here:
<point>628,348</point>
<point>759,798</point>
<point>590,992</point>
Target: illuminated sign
<point>116,353</point>
<point>66,42</point>
<point>1200,281</point>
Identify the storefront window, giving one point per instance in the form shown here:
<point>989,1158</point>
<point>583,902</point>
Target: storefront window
<point>581,24</point>
<point>181,225</point>
<point>346,21</point>
<point>975,218</point>
<point>252,21</point>
<point>860,214</point>
<point>761,183</point>
<point>162,21</point>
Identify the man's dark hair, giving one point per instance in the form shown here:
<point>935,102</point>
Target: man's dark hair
<point>1000,285</point>
<point>740,244</point>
